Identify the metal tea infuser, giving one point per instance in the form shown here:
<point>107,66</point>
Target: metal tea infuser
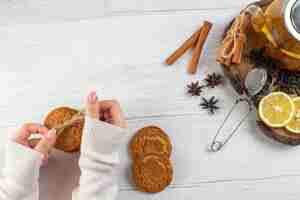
<point>255,81</point>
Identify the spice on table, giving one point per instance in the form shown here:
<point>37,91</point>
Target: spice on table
<point>210,104</point>
<point>233,45</point>
<point>190,42</point>
<point>194,89</point>
<point>192,67</point>
<point>213,80</point>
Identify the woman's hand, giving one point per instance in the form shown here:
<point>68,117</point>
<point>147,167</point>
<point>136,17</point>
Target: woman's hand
<point>44,146</point>
<point>107,110</point>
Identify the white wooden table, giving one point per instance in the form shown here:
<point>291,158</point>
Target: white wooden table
<point>54,51</point>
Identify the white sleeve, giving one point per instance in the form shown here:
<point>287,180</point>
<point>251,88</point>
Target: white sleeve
<point>99,159</point>
<point>20,173</point>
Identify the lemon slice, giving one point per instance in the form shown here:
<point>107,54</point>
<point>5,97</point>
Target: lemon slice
<point>276,109</point>
<point>294,125</point>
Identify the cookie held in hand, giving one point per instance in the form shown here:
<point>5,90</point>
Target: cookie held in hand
<point>152,173</point>
<point>150,140</point>
<point>69,139</point>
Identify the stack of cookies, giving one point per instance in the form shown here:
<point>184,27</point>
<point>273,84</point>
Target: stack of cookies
<point>151,149</point>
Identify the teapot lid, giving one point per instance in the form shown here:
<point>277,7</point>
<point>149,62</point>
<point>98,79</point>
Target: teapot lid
<point>292,18</point>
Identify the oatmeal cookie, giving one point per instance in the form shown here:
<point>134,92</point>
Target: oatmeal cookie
<point>70,138</point>
<point>150,140</point>
<point>152,173</point>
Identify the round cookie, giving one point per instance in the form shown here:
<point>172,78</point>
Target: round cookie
<point>152,173</point>
<point>150,140</point>
<point>70,138</point>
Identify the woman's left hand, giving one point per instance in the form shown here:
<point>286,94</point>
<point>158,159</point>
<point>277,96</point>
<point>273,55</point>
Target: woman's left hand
<point>44,145</point>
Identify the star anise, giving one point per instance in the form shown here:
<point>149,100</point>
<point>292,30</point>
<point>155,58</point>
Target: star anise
<point>213,80</point>
<point>210,104</point>
<point>194,88</point>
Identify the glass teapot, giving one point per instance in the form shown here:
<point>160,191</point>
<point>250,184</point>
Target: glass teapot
<point>280,24</point>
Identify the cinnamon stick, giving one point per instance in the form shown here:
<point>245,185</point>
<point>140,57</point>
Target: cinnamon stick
<point>227,45</point>
<point>234,43</point>
<point>192,67</point>
<point>237,56</point>
<point>244,22</point>
<point>183,48</point>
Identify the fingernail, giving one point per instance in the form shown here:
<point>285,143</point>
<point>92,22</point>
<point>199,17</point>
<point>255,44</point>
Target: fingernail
<point>92,97</point>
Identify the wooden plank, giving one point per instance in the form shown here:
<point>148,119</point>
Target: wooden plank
<point>276,189</point>
<point>41,11</point>
<point>45,11</point>
<point>139,6</point>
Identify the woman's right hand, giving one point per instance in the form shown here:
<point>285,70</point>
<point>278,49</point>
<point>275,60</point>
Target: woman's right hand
<point>43,146</point>
<point>106,110</point>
